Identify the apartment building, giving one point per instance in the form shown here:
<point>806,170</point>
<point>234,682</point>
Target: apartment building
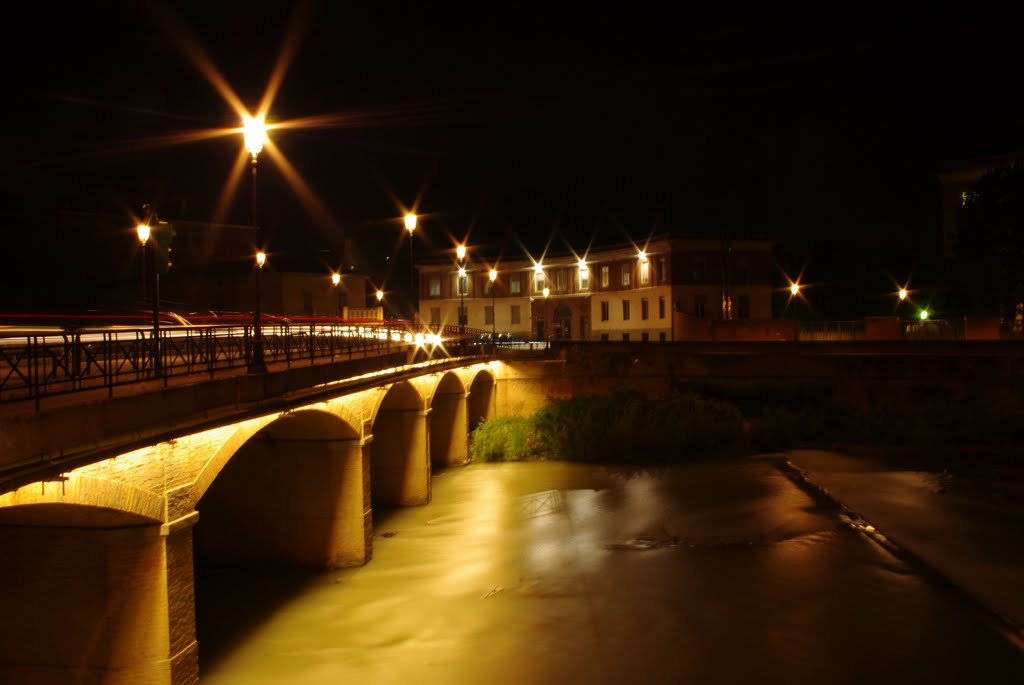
<point>619,292</point>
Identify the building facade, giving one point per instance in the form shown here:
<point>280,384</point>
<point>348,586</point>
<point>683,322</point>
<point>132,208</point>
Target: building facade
<point>621,292</point>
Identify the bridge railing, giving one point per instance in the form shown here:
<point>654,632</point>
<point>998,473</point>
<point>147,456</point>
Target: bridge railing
<point>43,364</point>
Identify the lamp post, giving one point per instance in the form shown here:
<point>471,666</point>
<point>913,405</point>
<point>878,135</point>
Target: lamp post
<point>254,132</point>
<point>335,281</point>
<point>144,231</point>
<point>494,311</point>
<point>410,225</point>
<point>460,252</point>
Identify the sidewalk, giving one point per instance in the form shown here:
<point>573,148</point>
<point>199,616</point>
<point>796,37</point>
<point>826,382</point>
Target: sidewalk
<point>973,541</point>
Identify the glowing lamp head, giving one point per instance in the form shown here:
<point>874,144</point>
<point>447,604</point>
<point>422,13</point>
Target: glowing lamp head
<point>924,315</point>
<point>410,222</point>
<point>261,258</point>
<point>462,272</point>
<point>538,268</point>
<point>643,256</point>
<point>546,291</point>
<point>335,279</point>
<point>380,295</point>
<point>460,252</point>
<point>143,231</point>
<point>583,265</point>
<point>794,289</point>
<point>493,275</point>
<point>903,293</point>
<point>254,132</point>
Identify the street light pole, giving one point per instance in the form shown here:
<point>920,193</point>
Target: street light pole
<point>144,231</point>
<point>494,311</point>
<point>410,225</point>
<point>460,252</point>
<point>254,132</point>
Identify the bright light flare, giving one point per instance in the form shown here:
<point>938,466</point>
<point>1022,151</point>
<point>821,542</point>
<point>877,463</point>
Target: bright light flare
<point>794,289</point>
<point>143,231</point>
<point>261,258</point>
<point>924,315</point>
<point>643,256</point>
<point>493,275</point>
<point>903,294</point>
<point>380,295</point>
<point>546,291</point>
<point>460,252</point>
<point>254,131</point>
<point>335,279</point>
<point>410,222</point>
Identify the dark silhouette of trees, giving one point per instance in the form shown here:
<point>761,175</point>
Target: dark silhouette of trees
<point>987,275</point>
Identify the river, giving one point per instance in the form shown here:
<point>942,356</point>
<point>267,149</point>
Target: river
<point>716,572</point>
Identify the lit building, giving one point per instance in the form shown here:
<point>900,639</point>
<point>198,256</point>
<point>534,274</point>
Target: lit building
<point>622,292</point>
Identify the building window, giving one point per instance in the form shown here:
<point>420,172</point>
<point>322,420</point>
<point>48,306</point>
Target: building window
<point>538,282</point>
<point>605,276</point>
<point>698,272</point>
<point>645,272</point>
<point>700,303</point>
<point>625,310</point>
<point>515,286</point>
<point>645,309</point>
<point>463,285</point>
<point>488,315</point>
<point>645,337</point>
<point>560,281</point>
<point>434,286</point>
<point>604,337</point>
<point>604,311</point>
<point>514,314</point>
<point>435,316</point>
<point>661,337</point>
<point>625,337</point>
<point>662,270</point>
<point>584,278</point>
<point>488,286</point>
<point>661,307</point>
<point>743,306</point>
<point>626,273</point>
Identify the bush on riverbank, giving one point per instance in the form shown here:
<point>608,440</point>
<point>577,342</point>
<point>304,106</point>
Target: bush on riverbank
<point>697,421</point>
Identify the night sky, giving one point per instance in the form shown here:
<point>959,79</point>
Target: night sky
<point>821,125</point>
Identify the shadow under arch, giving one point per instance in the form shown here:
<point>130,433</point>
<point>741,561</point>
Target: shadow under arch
<point>287,504</point>
<point>480,405</point>
<point>448,426</point>
<point>400,463</point>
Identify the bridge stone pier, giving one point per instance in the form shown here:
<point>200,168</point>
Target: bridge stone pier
<point>97,562</point>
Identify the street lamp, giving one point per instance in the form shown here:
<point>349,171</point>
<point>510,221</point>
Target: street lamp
<point>410,225</point>
<point>254,133</point>
<point>494,312</point>
<point>460,252</point>
<point>144,231</point>
<point>903,294</point>
<point>335,281</point>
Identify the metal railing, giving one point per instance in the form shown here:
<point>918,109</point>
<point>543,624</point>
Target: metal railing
<point>44,364</point>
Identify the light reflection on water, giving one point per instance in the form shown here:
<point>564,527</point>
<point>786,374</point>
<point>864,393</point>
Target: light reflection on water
<point>556,573</point>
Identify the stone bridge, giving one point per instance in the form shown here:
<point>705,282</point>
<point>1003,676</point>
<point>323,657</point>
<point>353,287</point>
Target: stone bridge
<point>106,505</point>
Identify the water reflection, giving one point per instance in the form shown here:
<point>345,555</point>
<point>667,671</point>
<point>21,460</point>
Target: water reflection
<point>523,573</point>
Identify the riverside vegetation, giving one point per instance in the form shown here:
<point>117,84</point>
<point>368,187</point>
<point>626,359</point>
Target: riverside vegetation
<point>699,421</point>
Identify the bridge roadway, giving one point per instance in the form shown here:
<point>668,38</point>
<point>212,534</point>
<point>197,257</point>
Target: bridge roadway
<point>100,500</point>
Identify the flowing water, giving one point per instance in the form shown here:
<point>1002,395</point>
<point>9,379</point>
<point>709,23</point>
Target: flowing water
<point>720,572</point>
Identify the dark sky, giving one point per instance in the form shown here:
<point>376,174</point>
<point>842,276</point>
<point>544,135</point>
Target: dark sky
<point>819,124</point>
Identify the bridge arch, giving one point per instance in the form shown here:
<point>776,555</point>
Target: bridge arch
<point>482,399</point>
<point>291,494</point>
<point>400,462</point>
<point>448,425</point>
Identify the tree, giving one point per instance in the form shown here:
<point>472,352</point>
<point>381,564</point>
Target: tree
<point>987,275</point>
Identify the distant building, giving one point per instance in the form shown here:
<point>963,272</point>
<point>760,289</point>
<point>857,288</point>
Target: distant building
<point>621,292</point>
